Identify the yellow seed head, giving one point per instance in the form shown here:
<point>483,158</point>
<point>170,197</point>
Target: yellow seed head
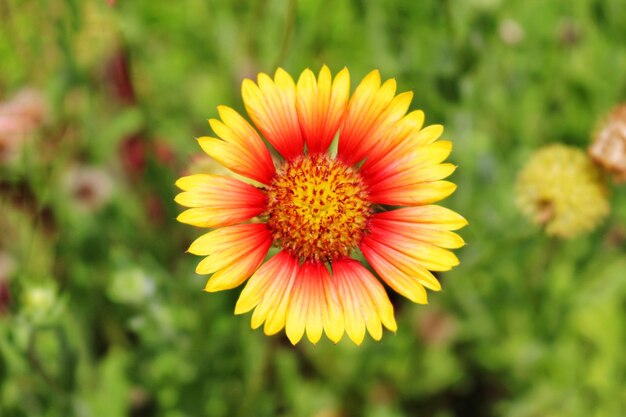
<point>318,208</point>
<point>561,189</point>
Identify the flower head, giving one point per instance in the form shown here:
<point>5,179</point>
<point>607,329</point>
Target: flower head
<point>561,189</point>
<point>322,210</point>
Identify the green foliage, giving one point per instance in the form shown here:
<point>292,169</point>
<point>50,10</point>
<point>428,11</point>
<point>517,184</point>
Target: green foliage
<point>106,316</point>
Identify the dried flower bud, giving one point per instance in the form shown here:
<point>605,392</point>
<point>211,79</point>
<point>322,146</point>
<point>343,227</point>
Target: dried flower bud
<point>609,144</point>
<point>560,188</point>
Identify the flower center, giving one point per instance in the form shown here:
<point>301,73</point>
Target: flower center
<point>318,208</point>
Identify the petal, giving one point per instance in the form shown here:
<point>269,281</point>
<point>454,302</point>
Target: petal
<point>372,111</point>
<point>237,132</point>
<point>218,201</point>
<point>372,298</point>
<point>231,238</point>
<point>314,306</point>
<point>321,106</point>
<point>441,238</point>
<point>256,288</point>
<point>411,176</point>
<point>416,158</point>
<point>237,272</point>
<point>410,247</point>
<point>386,122</point>
<point>334,321</point>
<point>297,312</point>
<point>215,190</point>
<point>407,139</point>
<point>385,266</point>
<point>317,301</point>
<point>406,127</point>
<point>432,217</point>
<point>353,310</point>
<point>242,160</point>
<point>272,107</point>
<point>216,216</point>
<point>269,290</point>
<point>414,194</point>
<point>234,253</point>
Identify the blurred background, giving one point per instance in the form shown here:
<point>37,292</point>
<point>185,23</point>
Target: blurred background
<point>101,313</point>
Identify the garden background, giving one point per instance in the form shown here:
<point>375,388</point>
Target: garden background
<point>101,313</point>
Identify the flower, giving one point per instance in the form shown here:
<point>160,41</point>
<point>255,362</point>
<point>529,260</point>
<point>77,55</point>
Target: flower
<point>561,188</point>
<point>41,303</point>
<point>131,286</point>
<point>320,209</point>
<point>19,118</point>
<point>511,32</point>
<point>609,146</point>
<point>89,188</point>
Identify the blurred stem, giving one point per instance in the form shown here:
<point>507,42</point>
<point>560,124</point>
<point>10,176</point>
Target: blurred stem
<point>8,28</point>
<point>35,363</point>
<point>552,247</point>
<point>44,193</point>
<point>261,353</point>
<point>289,28</point>
<point>537,279</point>
<point>449,16</point>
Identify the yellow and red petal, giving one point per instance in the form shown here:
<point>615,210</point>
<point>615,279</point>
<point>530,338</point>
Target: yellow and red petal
<point>304,310</point>
<point>386,266</point>
<point>321,104</point>
<point>409,125</point>
<point>414,194</point>
<point>406,142</point>
<point>371,112</point>
<point>233,254</point>
<point>387,121</point>
<point>403,251</point>
<point>218,201</point>
<point>268,291</point>
<point>429,216</point>
<point>417,159</point>
<point>272,107</point>
<point>231,239</point>
<point>315,305</point>
<point>364,300</point>
<point>239,270</point>
<point>411,177</point>
<point>439,237</point>
<point>238,159</point>
<point>425,254</point>
<point>239,134</point>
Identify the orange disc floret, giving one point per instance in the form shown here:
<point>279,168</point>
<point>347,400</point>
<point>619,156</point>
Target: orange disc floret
<point>318,208</point>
